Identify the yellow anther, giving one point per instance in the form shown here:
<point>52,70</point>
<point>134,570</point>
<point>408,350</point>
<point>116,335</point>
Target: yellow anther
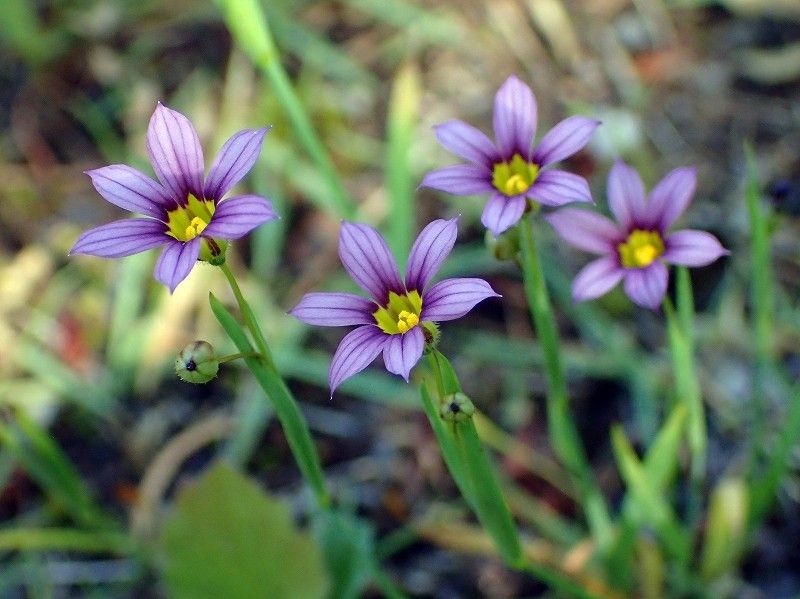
<point>641,249</point>
<point>402,326</point>
<point>403,314</point>
<point>195,227</point>
<point>412,320</point>
<point>400,314</point>
<point>514,177</point>
<point>516,185</point>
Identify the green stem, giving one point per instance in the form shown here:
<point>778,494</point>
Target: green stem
<point>250,30</point>
<point>66,539</point>
<point>249,317</point>
<point>563,433</point>
<point>294,425</point>
<point>686,384</point>
<point>232,357</point>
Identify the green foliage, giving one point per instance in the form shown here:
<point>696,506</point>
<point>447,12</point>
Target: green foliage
<point>348,548</point>
<point>228,538</point>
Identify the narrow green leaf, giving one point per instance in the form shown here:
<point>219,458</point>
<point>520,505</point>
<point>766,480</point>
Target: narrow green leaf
<point>286,408</point>
<point>661,460</point>
<point>66,539</point>
<point>348,547</point>
<point>726,528</point>
<point>402,118</point>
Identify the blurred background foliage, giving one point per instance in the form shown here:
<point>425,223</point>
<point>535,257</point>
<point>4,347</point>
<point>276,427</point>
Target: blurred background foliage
<point>98,436</point>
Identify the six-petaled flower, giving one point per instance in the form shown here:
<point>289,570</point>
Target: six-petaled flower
<point>393,319</point>
<point>637,249</point>
<point>511,169</point>
<point>181,211</point>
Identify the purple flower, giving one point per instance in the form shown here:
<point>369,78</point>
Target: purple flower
<point>392,321</point>
<point>510,169</point>
<point>182,212</point>
<point>637,249</point>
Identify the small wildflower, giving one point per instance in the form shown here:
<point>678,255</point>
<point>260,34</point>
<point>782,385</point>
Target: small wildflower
<point>398,318</point>
<point>511,169</point>
<point>182,212</point>
<point>637,249</point>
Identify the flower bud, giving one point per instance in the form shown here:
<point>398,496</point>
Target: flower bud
<point>505,247</point>
<point>197,363</point>
<point>431,333</point>
<point>456,407</point>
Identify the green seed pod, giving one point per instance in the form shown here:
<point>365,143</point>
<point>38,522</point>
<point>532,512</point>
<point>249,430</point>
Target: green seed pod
<point>505,247</point>
<point>456,407</point>
<point>197,363</point>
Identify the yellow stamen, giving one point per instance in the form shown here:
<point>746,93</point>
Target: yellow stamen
<point>188,221</point>
<point>641,249</point>
<point>514,177</point>
<point>401,313</point>
<point>195,228</point>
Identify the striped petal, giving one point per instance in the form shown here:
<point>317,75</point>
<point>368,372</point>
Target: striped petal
<point>402,352</point>
<point>432,246</point>
<point>367,259</point>
<point>121,238</point>
<point>334,309</point>
<point>514,118</point>
<point>459,179</point>
<point>585,230</point>
<point>565,139</point>
<point>355,352</point>
<point>237,216</point>
<point>234,161</point>
<point>467,142</point>
<point>626,195</point>
<point>131,189</point>
<point>176,262</point>
<point>453,298</point>
<point>175,152</point>
<point>670,197</point>
<point>502,212</point>
<point>556,188</point>
<point>693,248</point>
<point>597,278</point>
<point>647,286</point>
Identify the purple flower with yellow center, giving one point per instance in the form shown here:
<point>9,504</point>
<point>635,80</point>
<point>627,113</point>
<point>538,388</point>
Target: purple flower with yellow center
<point>511,169</point>
<point>401,312</point>
<point>638,249</point>
<point>181,211</point>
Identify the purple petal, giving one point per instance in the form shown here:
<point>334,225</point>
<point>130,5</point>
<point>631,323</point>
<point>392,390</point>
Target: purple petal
<point>367,258</point>
<point>647,286</point>
<point>355,352</point>
<point>402,352</point>
<point>121,238</point>
<point>452,298</point>
<point>467,142</point>
<point>459,179</point>
<point>596,278</point>
<point>176,261</point>
<point>237,216</point>
<point>131,189</point>
<point>334,309</point>
<point>502,212</point>
<point>234,161</point>
<point>514,118</point>
<point>585,230</point>
<point>626,195</point>
<point>670,197</point>
<point>175,152</point>
<point>556,188</point>
<point>693,248</point>
<point>563,140</point>
<point>430,249</point>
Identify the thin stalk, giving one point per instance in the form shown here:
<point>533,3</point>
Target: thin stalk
<point>232,357</point>
<point>761,297</point>
<point>250,29</point>
<point>688,390</point>
<point>249,317</point>
<point>563,433</point>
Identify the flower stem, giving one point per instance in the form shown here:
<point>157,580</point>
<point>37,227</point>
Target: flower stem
<point>563,433</point>
<point>474,474</point>
<point>261,365</point>
<point>232,357</point>
<point>679,332</point>
<point>249,317</point>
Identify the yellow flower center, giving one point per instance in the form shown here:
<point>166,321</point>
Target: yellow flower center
<point>641,249</point>
<point>187,222</point>
<point>401,313</point>
<point>515,177</point>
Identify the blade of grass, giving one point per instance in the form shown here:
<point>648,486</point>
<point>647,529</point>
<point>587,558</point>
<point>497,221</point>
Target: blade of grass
<point>403,115</point>
<point>250,30</point>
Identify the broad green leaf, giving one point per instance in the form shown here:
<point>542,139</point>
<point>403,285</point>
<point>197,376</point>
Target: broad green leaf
<point>227,538</point>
